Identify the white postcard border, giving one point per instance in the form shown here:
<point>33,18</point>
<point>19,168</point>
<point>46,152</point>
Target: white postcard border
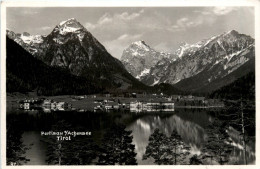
<point>126,3</point>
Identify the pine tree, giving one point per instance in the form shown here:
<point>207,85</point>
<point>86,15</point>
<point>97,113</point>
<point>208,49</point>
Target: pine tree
<point>79,151</point>
<point>57,149</point>
<point>218,145</point>
<point>194,160</point>
<point>156,147</point>
<point>15,149</point>
<point>181,151</point>
<point>166,150</point>
<point>239,115</point>
<point>117,147</point>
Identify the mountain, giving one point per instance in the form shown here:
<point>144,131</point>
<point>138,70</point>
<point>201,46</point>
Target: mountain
<point>31,43</point>
<point>243,87</point>
<point>26,73</point>
<point>204,62</point>
<point>72,47</point>
<point>199,86</point>
<point>139,58</point>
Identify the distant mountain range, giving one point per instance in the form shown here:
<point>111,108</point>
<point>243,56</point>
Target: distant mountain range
<point>72,47</point>
<point>139,58</point>
<point>201,67</point>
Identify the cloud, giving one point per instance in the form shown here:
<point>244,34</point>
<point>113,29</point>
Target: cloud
<point>117,45</point>
<point>124,36</point>
<point>127,26</point>
<point>44,28</point>
<point>163,46</point>
<point>217,11</point>
<point>223,10</point>
<point>142,21</point>
<point>90,26</point>
<point>119,18</point>
<point>183,24</point>
<point>203,12</point>
<point>106,18</point>
<point>204,16</point>
<point>29,12</point>
<point>126,16</point>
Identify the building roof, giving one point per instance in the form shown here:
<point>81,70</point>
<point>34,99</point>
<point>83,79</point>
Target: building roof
<point>111,104</point>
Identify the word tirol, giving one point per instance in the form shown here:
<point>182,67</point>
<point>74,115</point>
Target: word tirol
<point>65,135</point>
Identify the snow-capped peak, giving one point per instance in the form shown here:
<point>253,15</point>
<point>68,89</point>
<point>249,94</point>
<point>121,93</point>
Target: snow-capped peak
<point>232,32</point>
<point>68,20</point>
<point>184,44</point>
<point>27,38</point>
<point>70,25</point>
<point>182,48</point>
<point>232,35</point>
<point>210,40</point>
<point>141,45</point>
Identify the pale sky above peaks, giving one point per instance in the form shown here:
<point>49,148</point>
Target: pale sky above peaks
<point>162,28</point>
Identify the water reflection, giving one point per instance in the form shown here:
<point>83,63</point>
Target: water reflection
<point>15,147</point>
<point>191,133</point>
<point>61,151</point>
<point>151,106</point>
<point>238,155</point>
<point>166,150</point>
<point>191,129</point>
<point>190,124</point>
<point>36,157</point>
<point>117,147</point>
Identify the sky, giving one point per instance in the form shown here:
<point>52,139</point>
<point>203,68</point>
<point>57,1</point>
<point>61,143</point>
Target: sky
<point>162,28</point>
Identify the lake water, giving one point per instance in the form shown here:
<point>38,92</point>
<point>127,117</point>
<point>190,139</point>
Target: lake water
<point>190,124</point>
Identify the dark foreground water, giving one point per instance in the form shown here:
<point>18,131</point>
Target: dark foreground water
<point>24,130</point>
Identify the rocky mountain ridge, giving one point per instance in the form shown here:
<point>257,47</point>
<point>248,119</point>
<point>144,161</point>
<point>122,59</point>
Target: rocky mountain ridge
<point>72,47</point>
<point>139,58</point>
<point>190,68</point>
<point>212,59</point>
<point>25,73</point>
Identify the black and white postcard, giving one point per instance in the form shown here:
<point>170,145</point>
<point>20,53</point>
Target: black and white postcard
<point>129,84</point>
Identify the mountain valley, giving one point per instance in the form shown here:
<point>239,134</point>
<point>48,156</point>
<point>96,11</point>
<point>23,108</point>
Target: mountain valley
<point>201,67</point>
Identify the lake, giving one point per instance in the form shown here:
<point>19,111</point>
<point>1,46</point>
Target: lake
<point>190,124</point>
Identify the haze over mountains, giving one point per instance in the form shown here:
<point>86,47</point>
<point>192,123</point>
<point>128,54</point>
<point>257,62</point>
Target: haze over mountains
<point>201,67</point>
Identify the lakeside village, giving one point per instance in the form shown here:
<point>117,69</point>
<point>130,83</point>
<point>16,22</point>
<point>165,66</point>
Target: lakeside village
<point>132,102</point>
